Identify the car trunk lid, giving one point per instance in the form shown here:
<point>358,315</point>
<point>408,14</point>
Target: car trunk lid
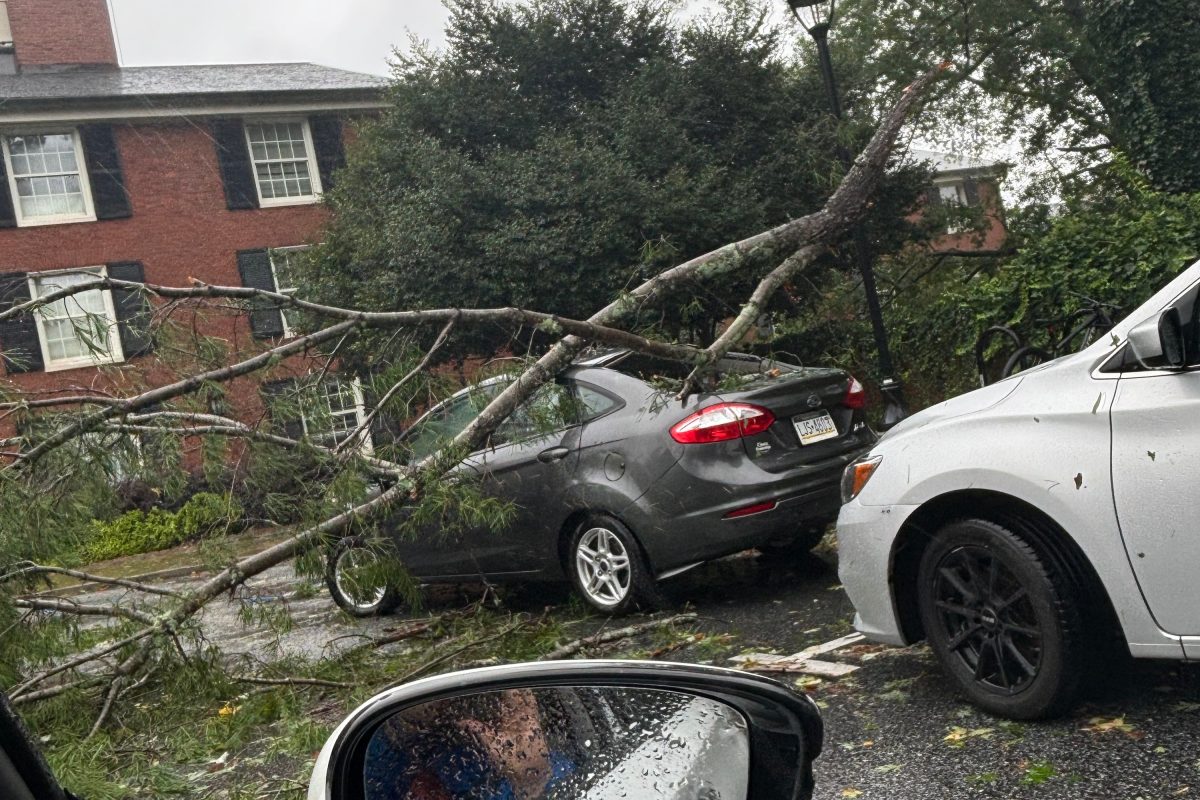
<point>812,421</point>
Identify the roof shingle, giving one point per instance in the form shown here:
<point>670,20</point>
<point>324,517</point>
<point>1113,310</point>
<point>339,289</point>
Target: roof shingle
<point>183,81</point>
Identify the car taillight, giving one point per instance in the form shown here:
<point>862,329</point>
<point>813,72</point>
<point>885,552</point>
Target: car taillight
<point>856,395</point>
<point>722,422</point>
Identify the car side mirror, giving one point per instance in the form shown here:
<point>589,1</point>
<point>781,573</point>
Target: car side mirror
<point>594,730</point>
<point>1157,343</point>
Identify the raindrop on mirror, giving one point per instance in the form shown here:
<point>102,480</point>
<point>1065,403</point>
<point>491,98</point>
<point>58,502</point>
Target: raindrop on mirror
<point>561,743</point>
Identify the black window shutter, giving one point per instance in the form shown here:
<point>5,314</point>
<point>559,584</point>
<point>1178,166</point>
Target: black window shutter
<point>933,197</point>
<point>327,141</point>
<point>266,319</point>
<point>133,309</point>
<point>971,190</point>
<point>237,173</point>
<point>8,217</point>
<point>284,409</point>
<point>104,172</point>
<point>18,335</point>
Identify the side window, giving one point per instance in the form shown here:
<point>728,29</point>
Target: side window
<point>550,409</point>
<point>440,427</point>
<point>592,402</point>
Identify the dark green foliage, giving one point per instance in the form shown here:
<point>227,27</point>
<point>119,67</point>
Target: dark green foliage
<point>207,513</point>
<point>131,533</point>
<point>146,531</point>
<point>1147,56</point>
<point>560,150</point>
<point>1068,80</point>
<point>1119,248</point>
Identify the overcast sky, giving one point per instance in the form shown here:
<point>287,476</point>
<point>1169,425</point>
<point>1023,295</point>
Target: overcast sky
<point>353,34</point>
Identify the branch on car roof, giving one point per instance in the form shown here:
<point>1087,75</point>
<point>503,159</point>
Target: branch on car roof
<point>750,312</point>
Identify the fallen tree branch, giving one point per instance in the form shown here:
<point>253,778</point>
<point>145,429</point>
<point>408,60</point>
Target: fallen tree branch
<point>441,659</point>
<point>110,697</point>
<point>170,391</point>
<point>55,691</point>
<point>750,312</point>
<point>365,425</point>
<point>295,682</point>
<point>237,430</point>
<point>42,569</point>
<point>821,228</point>
<point>604,637</point>
<point>68,606</point>
<point>24,687</point>
<point>399,635</point>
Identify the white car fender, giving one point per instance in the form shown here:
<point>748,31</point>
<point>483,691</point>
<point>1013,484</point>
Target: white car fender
<point>1046,442</point>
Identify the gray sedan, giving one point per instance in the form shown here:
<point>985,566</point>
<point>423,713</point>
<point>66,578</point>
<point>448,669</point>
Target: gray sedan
<point>616,485</point>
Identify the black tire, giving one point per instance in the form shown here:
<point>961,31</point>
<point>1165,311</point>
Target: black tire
<point>628,583</point>
<point>342,589</point>
<point>1025,358</point>
<point>1003,621</point>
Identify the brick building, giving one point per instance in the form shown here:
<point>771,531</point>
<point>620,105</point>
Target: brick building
<point>152,173</point>
<point>972,184</point>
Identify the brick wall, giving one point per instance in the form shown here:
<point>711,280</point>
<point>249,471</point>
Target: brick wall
<point>994,232</point>
<point>62,32</point>
<point>180,229</point>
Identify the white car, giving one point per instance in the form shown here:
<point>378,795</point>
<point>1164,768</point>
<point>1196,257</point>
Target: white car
<point>1023,527</point>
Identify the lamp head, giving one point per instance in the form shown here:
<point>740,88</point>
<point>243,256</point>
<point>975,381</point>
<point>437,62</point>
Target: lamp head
<point>816,16</point>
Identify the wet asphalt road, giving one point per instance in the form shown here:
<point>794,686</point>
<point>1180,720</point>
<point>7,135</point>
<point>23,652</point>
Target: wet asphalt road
<point>887,724</point>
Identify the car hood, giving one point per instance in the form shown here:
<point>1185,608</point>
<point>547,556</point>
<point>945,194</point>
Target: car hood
<point>961,406</point>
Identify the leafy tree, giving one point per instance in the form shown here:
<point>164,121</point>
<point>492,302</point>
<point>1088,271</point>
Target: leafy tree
<point>559,150</point>
<point>1117,250</point>
<point>1080,77</point>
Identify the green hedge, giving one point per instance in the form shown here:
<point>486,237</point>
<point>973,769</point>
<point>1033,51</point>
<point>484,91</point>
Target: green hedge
<point>146,531</point>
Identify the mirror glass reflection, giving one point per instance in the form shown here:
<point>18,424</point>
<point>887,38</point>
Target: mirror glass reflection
<point>561,743</point>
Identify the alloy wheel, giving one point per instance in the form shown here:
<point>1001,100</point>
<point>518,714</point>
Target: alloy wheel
<point>356,574</point>
<point>988,619</point>
<point>602,563</point>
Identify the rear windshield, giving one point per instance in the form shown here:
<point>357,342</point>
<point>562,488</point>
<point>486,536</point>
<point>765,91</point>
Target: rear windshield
<point>738,369</point>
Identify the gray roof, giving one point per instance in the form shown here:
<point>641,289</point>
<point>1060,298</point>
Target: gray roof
<point>119,83</point>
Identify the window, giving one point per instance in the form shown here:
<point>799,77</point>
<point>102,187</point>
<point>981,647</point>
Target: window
<point>285,171</point>
<point>79,330</point>
<point>955,199</point>
<point>593,403</point>
<point>953,194</point>
<point>47,178</point>
<point>333,409</point>
<point>283,268</point>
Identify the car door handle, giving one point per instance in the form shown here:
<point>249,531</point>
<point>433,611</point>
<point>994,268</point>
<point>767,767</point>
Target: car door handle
<point>553,454</point>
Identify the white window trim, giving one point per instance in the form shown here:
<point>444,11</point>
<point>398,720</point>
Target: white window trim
<point>116,354</point>
<point>313,172</point>
<point>366,447</point>
<point>288,331</point>
<point>84,184</point>
<point>954,227</point>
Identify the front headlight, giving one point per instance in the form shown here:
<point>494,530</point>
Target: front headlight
<point>856,476</point>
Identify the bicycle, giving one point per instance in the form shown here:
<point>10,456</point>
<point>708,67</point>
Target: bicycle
<point>1082,325</point>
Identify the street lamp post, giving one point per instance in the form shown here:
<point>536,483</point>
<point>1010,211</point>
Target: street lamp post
<point>816,17</point>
